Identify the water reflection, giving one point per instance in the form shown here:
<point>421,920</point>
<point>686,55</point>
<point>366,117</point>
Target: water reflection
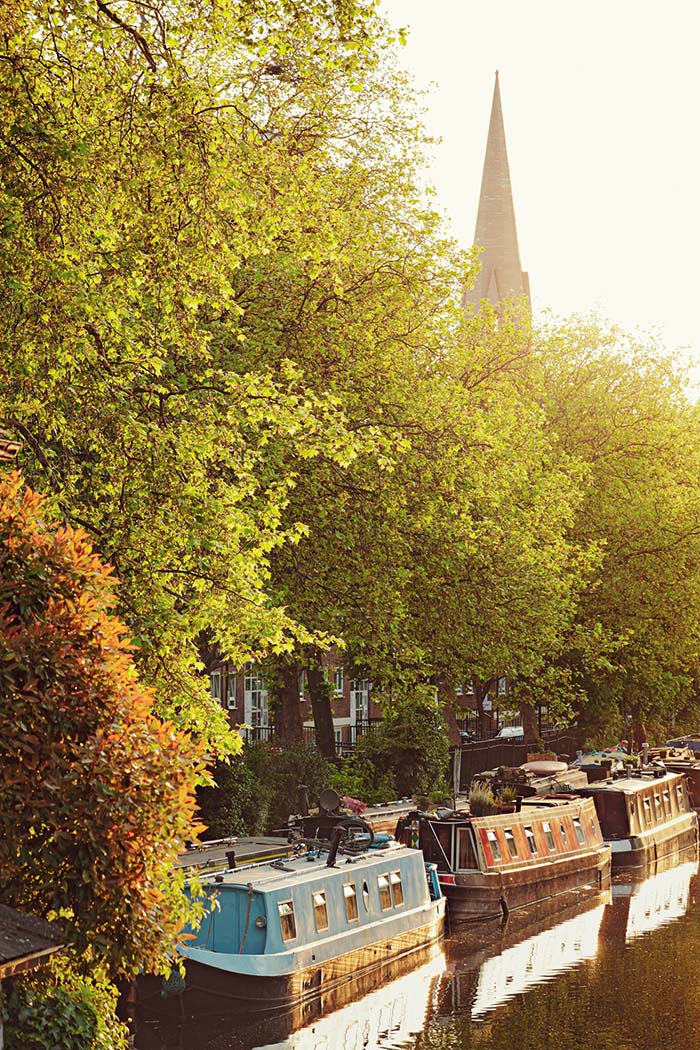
<point>657,900</point>
<point>384,1019</point>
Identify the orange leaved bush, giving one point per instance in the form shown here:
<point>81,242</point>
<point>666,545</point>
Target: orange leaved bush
<point>97,793</point>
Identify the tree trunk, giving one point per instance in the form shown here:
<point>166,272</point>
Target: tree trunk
<point>320,691</point>
<point>289,724</point>
<point>529,718</point>
<point>446,694</point>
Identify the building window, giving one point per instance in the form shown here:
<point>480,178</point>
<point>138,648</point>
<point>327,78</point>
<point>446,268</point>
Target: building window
<point>231,692</point>
<point>339,681</point>
<point>350,901</point>
<point>320,911</point>
<point>530,836</point>
<point>215,685</point>
<point>548,835</point>
<point>579,831</point>
<point>384,892</point>
<point>359,699</point>
<point>502,687</point>
<point>396,887</point>
<point>287,922</point>
<point>302,687</point>
<point>255,688</point>
<point>494,844</point>
<point>510,842</point>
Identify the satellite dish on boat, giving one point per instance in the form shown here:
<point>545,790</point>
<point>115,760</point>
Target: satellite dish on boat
<point>329,800</point>
<point>544,767</point>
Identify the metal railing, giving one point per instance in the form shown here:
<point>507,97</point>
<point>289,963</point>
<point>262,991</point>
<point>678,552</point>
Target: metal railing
<point>346,745</point>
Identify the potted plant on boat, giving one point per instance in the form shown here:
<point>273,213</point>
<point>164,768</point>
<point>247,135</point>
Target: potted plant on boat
<point>481,800</point>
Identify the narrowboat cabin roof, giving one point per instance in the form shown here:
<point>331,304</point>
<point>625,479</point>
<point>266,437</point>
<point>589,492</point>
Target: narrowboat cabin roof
<point>632,783</point>
<point>309,867</point>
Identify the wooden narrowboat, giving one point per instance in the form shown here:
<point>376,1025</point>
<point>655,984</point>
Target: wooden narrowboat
<point>645,816</point>
<point>490,865</point>
<point>680,760</point>
<point>282,933</point>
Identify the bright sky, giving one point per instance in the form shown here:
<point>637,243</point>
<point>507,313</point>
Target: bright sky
<point>601,104</point>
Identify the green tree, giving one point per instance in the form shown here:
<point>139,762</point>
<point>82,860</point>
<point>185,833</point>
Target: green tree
<point>148,154</point>
<point>620,410</point>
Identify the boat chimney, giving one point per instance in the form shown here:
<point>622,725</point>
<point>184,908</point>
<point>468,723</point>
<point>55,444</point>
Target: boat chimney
<point>338,835</point>
<point>231,858</point>
<point>645,754</point>
<point>606,765</point>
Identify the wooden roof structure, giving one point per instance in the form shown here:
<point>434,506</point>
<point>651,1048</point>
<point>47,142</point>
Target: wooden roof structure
<point>25,941</point>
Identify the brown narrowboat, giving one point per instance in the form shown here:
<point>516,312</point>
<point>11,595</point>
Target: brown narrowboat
<point>680,760</point>
<point>645,816</point>
<point>490,865</point>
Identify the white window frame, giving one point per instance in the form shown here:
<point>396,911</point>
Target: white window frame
<point>255,707</point>
<point>231,686</point>
<point>215,685</point>
<point>339,682</point>
<point>360,689</point>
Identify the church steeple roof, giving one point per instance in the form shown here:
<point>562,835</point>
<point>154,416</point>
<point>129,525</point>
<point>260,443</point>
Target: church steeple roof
<point>501,273</point>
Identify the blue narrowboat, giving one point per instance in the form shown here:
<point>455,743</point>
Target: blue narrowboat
<point>278,934</point>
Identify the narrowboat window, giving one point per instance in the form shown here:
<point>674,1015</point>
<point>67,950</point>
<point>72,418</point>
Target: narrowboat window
<point>384,892</point>
<point>563,834</point>
<point>396,888</point>
<point>647,810</point>
<point>494,844</point>
<point>365,895</point>
<point>548,834</point>
<point>320,911</point>
<point>530,836</point>
<point>465,849</point>
<point>657,806</point>
<point>679,793</point>
<point>510,842</point>
<point>287,922</point>
<point>579,831</point>
<point>350,901</point>
<point>667,802</point>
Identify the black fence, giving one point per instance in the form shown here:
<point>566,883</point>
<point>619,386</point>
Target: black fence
<point>345,743</point>
<point>489,754</point>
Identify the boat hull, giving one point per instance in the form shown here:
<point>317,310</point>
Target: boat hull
<point>641,851</point>
<point>209,988</point>
<point>484,895</point>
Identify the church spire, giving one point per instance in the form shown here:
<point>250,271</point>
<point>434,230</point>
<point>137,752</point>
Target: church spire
<point>501,272</point>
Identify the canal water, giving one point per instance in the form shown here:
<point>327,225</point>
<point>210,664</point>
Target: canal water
<point>617,970</point>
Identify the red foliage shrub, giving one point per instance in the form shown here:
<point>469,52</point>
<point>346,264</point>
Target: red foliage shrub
<point>97,794</point>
